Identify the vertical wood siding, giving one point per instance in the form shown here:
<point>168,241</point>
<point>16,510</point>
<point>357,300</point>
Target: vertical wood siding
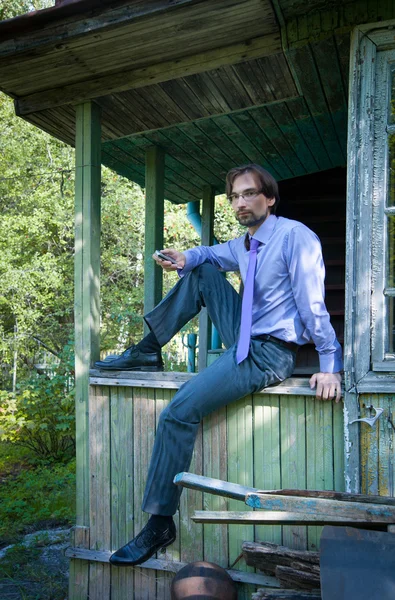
<point>377,446</point>
<point>265,441</point>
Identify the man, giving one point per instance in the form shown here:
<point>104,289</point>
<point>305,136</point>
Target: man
<point>280,262</point>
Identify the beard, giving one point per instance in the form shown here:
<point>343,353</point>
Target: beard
<point>251,219</point>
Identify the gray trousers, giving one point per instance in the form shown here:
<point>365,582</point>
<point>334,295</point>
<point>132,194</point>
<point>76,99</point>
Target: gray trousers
<point>221,383</point>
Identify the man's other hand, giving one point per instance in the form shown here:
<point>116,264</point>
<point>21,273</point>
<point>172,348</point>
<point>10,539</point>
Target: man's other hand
<point>166,265</point>
<point>328,385</point>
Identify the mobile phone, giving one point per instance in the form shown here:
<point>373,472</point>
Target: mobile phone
<point>165,257</point>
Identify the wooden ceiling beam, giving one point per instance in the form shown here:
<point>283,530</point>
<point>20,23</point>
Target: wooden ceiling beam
<point>136,78</point>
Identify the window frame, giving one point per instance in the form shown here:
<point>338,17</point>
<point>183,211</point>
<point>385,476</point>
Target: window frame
<point>382,360</point>
<point>366,367</point>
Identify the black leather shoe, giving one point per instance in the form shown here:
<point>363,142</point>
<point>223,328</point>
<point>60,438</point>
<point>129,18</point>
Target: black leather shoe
<point>132,360</point>
<point>143,546</point>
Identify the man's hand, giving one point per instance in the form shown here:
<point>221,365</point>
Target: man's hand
<point>328,385</point>
<point>166,265</point>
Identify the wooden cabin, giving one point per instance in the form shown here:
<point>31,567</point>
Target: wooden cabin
<point>171,94</point>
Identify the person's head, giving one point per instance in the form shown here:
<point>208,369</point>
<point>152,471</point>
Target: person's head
<point>253,193</point>
<point>204,580</point>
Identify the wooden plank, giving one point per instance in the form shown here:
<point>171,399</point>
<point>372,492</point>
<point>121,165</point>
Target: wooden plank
<point>303,64</point>
<point>240,469</point>
<point>293,460</point>
<point>145,41</point>
<point>134,78</point>
<point>121,423</point>
<point>154,218</point>
<point>267,463</point>
<point>308,130</point>
<point>87,291</point>
<point>246,145</point>
<point>270,517</point>
<point>294,386</point>
<point>100,498</point>
<point>172,554</point>
<point>143,441</point>
<point>191,534</point>
<point>332,495</point>
<point>69,26</point>
<point>276,164</point>
<point>326,59</point>
<point>366,512</point>
<point>79,569</point>
<point>319,454</point>
<point>298,156</point>
<point>215,466</point>
<point>172,567</point>
<point>213,486</point>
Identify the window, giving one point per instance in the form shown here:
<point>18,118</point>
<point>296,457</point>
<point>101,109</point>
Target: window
<point>383,242</point>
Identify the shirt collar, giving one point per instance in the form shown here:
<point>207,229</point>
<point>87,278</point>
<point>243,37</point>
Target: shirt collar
<point>263,234</point>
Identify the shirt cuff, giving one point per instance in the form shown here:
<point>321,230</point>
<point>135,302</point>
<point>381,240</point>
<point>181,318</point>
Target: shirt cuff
<point>333,362</point>
<point>191,261</point>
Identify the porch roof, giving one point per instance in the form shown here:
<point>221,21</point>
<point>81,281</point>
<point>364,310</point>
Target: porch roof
<point>214,82</point>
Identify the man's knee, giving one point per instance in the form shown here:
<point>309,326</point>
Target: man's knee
<point>205,270</point>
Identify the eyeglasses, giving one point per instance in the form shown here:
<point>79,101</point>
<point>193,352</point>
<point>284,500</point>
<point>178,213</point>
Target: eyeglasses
<point>248,196</point>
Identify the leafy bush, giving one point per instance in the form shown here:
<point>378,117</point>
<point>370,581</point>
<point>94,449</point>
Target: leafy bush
<point>44,496</point>
<point>40,416</point>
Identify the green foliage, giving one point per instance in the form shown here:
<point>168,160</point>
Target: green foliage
<point>40,497</point>
<point>40,415</point>
<point>13,8</point>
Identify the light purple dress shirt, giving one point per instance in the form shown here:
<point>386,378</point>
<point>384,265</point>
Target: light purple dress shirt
<point>289,285</point>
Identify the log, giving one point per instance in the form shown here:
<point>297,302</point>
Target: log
<point>265,594</point>
<point>295,579</point>
<point>266,556</point>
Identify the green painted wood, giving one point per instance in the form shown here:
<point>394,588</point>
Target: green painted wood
<point>234,133</point>
<point>377,455</point>
<point>332,85</point>
<point>79,569</point>
<point>172,554</point>
<point>215,465</point>
<point>298,157</point>
<point>267,460</point>
<point>122,484</point>
<point>191,534</point>
<point>143,439</point>
<point>100,499</point>
<point>154,218</point>
<point>319,455</point>
<point>309,133</point>
<point>240,470</point>
<point>274,162</point>
<point>304,66</point>
<point>87,293</point>
<point>177,180</point>
<point>293,461</point>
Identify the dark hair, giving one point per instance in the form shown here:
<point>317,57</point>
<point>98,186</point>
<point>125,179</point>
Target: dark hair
<point>268,184</point>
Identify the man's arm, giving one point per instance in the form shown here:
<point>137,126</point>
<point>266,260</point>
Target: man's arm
<point>222,256</point>
<point>307,273</point>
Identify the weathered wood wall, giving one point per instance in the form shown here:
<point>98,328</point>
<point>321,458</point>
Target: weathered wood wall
<point>377,446</point>
<point>265,440</point>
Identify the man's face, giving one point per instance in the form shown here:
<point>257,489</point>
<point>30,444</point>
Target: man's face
<point>252,210</point>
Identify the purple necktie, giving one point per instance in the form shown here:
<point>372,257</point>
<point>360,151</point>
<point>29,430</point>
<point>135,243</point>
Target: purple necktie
<point>246,307</point>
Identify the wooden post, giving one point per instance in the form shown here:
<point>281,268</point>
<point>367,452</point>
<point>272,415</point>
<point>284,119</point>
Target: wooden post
<point>154,216</point>
<point>87,288</point>
<point>207,239</point>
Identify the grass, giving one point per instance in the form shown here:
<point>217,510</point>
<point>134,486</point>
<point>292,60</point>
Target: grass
<point>33,496</point>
